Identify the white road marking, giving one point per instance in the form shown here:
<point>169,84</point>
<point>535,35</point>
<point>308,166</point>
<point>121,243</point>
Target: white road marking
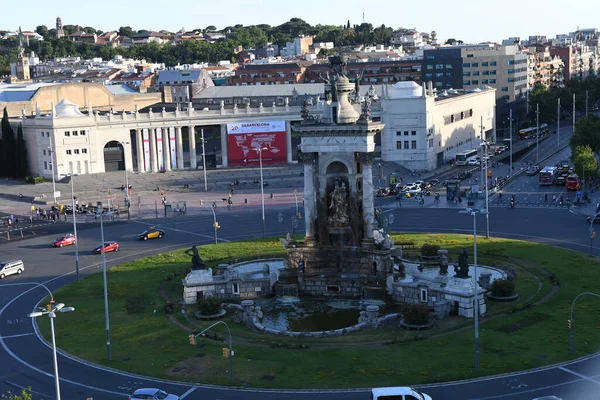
<point>183,396</point>
<point>587,378</point>
<point>15,336</point>
<point>181,231</point>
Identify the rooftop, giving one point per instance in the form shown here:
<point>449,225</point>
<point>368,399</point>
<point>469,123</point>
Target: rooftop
<point>10,92</point>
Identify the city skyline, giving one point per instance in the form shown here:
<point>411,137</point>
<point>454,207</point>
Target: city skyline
<point>462,23</point>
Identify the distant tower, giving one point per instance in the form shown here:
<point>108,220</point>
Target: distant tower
<point>59,28</point>
<point>22,61</point>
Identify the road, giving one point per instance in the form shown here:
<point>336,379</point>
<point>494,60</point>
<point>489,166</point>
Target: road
<point>28,362</point>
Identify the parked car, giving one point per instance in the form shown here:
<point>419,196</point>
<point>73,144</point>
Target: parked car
<point>108,246</point>
<point>152,394</point>
<point>398,392</point>
<point>11,267</point>
<point>473,162</point>
<point>533,170</point>
<point>65,240</point>
<point>151,233</point>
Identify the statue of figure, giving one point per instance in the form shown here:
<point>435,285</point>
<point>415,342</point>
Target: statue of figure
<point>197,262</point>
<point>462,269</point>
<point>339,205</point>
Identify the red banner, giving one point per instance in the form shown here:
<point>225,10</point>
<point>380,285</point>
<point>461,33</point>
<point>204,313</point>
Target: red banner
<point>242,148</point>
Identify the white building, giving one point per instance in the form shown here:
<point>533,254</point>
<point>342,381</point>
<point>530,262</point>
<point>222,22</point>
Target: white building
<point>424,129</point>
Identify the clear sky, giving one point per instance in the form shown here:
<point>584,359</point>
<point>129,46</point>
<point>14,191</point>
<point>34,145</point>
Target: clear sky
<point>468,20</point>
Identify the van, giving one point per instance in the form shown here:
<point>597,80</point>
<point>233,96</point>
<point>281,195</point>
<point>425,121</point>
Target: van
<point>11,267</point>
<point>397,393</point>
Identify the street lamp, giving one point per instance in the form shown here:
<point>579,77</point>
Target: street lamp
<point>74,212</point>
<point>51,311</point>
<point>230,346</point>
<point>475,284</point>
<point>100,212</point>
<point>52,169</point>
<point>571,321</point>
<point>127,198</point>
<point>216,225</point>
<point>262,188</point>
<point>485,146</point>
<point>592,232</point>
<point>537,132</point>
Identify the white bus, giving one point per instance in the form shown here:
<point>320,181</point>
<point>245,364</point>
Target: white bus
<point>463,157</point>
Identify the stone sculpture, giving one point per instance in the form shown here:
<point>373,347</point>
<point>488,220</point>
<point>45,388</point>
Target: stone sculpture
<point>338,205</point>
<point>197,262</point>
<point>462,269</point>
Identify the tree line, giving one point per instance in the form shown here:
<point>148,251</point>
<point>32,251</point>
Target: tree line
<point>250,37</point>
<point>13,152</point>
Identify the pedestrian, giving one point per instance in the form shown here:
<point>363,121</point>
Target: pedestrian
<point>118,212</point>
<point>546,198</point>
<point>554,198</point>
<point>30,220</point>
<point>9,222</point>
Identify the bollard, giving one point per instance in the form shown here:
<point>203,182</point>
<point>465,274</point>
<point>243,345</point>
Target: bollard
<point>21,229</point>
<point>201,201</point>
<point>245,201</point>
<point>272,195</point>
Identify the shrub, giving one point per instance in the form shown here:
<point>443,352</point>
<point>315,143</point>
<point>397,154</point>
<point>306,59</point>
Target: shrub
<point>134,305</point>
<point>35,179</point>
<point>209,305</point>
<point>429,250</point>
<point>503,287</point>
<point>415,314</point>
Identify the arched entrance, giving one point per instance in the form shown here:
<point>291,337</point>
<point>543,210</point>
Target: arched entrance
<point>114,156</point>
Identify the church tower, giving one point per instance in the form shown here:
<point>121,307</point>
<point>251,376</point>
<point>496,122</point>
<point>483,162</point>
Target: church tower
<point>23,73</point>
<point>59,28</point>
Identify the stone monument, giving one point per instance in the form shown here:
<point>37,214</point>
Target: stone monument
<point>337,144</point>
<point>197,262</point>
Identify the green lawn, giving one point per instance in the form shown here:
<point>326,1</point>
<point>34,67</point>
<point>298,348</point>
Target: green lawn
<point>513,336</point>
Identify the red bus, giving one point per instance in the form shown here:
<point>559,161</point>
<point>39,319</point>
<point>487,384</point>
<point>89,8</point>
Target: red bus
<point>573,182</point>
<point>548,175</point>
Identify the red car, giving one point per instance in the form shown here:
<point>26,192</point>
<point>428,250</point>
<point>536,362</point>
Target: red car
<point>65,240</point>
<point>108,246</point>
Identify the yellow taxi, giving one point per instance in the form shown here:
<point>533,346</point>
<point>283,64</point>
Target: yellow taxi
<point>151,233</point>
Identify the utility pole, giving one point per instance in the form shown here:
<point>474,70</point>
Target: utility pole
<point>558,123</point>
<point>573,113</point>
<point>537,132</point>
<point>511,144</point>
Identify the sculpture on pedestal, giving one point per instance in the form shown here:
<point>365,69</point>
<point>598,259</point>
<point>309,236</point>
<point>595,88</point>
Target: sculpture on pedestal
<point>462,269</point>
<point>338,205</point>
<point>197,262</point>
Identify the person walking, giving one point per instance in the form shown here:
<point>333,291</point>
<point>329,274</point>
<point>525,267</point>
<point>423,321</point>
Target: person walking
<point>546,198</point>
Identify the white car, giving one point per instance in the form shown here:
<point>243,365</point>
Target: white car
<point>152,394</point>
<point>473,162</point>
<point>413,190</point>
<point>398,392</point>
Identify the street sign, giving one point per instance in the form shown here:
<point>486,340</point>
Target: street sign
<point>57,194</point>
<point>110,197</point>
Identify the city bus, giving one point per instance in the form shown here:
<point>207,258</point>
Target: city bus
<point>525,133</point>
<point>573,182</point>
<point>463,157</point>
<point>548,175</point>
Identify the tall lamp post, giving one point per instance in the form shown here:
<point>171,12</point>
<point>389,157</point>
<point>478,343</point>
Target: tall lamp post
<point>474,213</point>
<point>204,160</point>
<point>51,311</point>
<point>485,145</point>
<point>592,232</point>
<point>74,212</point>
<point>100,212</point>
<point>510,146</point>
<point>213,208</point>
<point>537,132</point>
<point>127,198</point>
<point>262,188</point>
<point>51,151</point>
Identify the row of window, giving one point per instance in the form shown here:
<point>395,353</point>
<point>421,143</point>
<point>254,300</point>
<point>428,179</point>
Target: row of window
<point>413,133</point>
<point>438,66</point>
<point>476,73</point>
<point>408,145</point>
<point>76,151</point>
<point>74,133</point>
<point>483,64</point>
<point>483,82</point>
<point>448,119</point>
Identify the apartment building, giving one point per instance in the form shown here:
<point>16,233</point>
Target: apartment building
<point>543,68</point>
<point>180,86</point>
<point>270,74</point>
<point>372,71</point>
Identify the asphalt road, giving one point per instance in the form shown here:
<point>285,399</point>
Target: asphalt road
<point>26,361</point>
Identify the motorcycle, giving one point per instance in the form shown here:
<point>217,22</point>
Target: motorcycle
<point>512,203</point>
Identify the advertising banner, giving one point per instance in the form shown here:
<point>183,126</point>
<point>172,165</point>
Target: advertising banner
<point>244,138</point>
<point>159,149</point>
<point>146,150</point>
<point>172,147</point>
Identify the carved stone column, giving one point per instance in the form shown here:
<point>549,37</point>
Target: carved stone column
<point>308,159</point>
<point>224,146</point>
<point>192,138</point>
<point>153,155</point>
<point>288,142</point>
<point>166,141</point>
<point>179,148</point>
<point>368,206</point>
<point>139,144</point>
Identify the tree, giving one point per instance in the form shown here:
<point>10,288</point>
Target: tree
<point>25,395</point>
<point>210,28</point>
<point>42,30</point>
<point>8,147</point>
<point>22,164</point>
<point>587,133</point>
<point>126,31</point>
<point>585,162</point>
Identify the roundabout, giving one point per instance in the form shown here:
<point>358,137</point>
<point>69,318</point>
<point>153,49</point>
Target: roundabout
<point>29,367</point>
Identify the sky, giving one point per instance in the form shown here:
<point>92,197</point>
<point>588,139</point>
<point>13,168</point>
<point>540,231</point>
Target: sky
<point>472,21</point>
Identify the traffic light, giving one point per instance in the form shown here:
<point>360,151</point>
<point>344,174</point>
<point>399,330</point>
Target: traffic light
<point>216,225</point>
<point>225,352</point>
<point>192,340</point>
<point>299,216</point>
<point>569,324</point>
<point>49,307</point>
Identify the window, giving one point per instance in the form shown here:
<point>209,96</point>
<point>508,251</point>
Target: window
<point>484,81</point>
<point>398,133</point>
<point>406,145</point>
<point>511,71</point>
<point>466,74</point>
<point>428,76</point>
<point>448,74</point>
<point>42,134</point>
<point>505,89</point>
<point>235,288</point>
<point>67,133</point>
<point>492,63</point>
<point>423,296</point>
<point>68,151</point>
<point>439,66</point>
<point>485,73</point>
<point>398,145</point>
<point>493,72</point>
<point>431,57</point>
<point>475,73</point>
<point>511,79</point>
<point>439,74</point>
<point>475,82</point>
<point>439,84</point>
<point>469,55</point>
<point>413,144</point>
<point>511,62</point>
<point>44,152</point>
<point>76,151</point>
<point>84,151</point>
<point>492,81</point>
<point>475,65</point>
<point>82,133</point>
<point>405,133</point>
<point>448,66</point>
<point>47,134</point>
<point>506,97</point>
<point>466,83</point>
<point>466,65</point>
<point>471,112</point>
<point>45,165</point>
<point>484,64</point>
<point>429,66</point>
<point>74,133</point>
<point>452,118</point>
<point>430,143</point>
<point>413,133</point>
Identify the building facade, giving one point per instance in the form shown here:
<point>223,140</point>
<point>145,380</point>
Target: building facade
<point>424,130</point>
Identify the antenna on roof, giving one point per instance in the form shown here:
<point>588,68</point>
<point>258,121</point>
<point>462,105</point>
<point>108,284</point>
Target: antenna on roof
<point>363,17</point>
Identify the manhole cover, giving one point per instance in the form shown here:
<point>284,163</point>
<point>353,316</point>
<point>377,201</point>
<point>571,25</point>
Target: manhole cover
<point>268,377</point>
